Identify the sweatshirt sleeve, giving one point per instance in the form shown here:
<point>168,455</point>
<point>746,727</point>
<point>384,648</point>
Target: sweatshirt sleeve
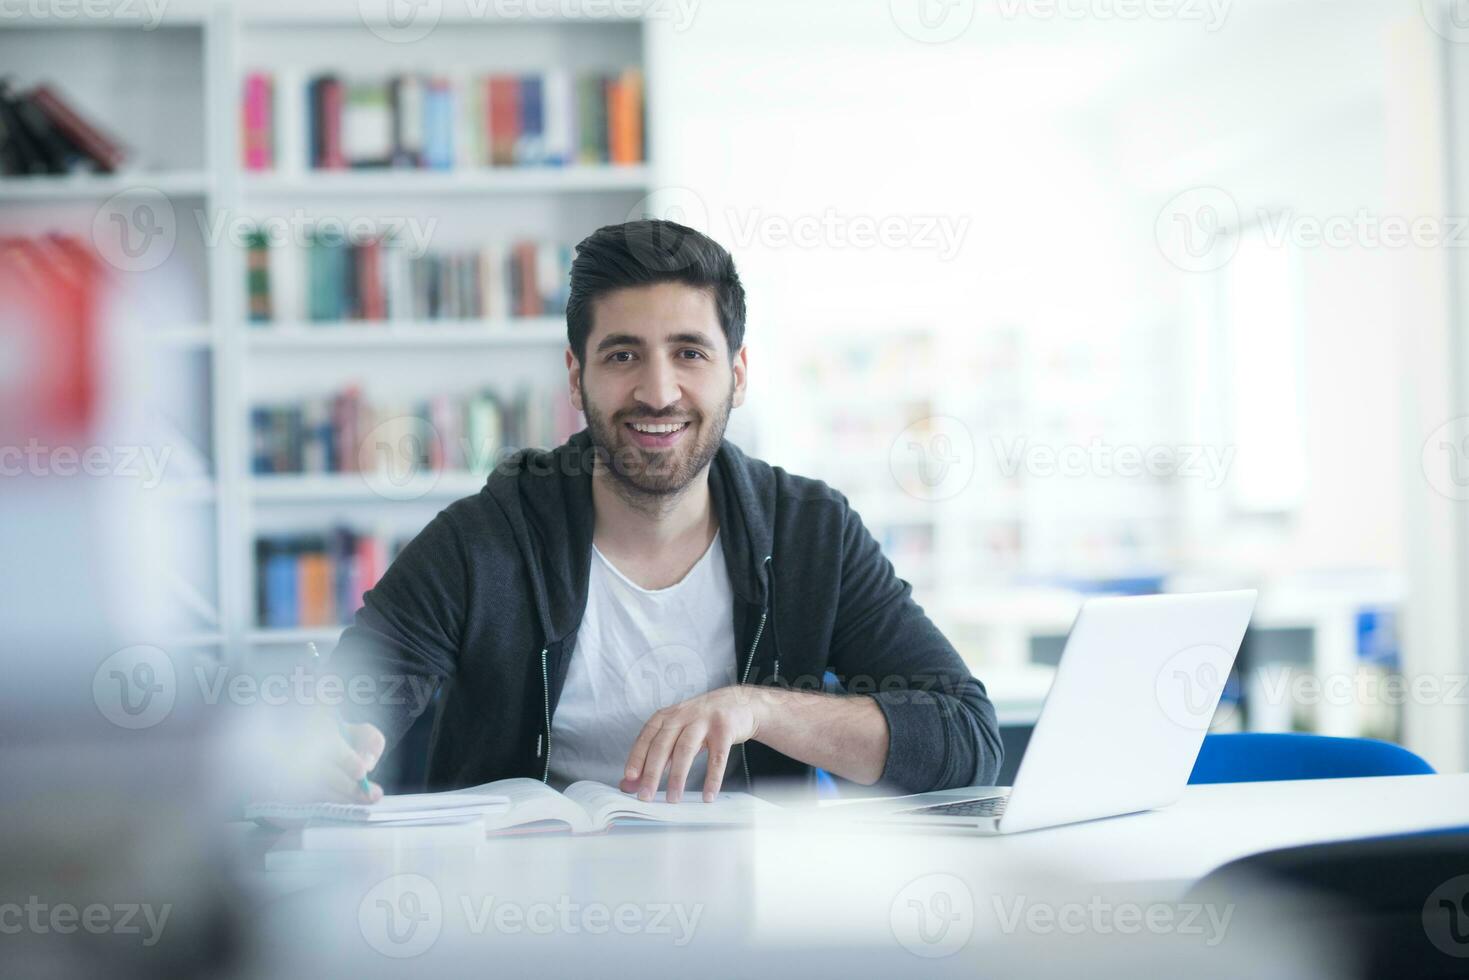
<point>404,641</point>
<point>941,724</point>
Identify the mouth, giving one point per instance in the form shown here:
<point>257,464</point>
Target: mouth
<point>656,435</point>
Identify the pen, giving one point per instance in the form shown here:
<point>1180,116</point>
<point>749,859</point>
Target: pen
<point>362,784</point>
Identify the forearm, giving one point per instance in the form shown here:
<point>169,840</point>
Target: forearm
<point>845,735</point>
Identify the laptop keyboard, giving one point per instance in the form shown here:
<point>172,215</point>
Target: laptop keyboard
<point>989,807</point>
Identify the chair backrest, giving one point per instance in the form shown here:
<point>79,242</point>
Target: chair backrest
<point>1256,757</point>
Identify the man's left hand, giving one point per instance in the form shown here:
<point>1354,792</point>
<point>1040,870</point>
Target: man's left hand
<point>675,735</point>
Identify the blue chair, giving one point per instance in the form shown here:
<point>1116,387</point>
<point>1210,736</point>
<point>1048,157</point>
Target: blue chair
<point>1256,757</point>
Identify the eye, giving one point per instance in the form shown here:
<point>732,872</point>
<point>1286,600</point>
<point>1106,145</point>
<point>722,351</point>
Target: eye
<point>620,356</point>
<point>696,353</point>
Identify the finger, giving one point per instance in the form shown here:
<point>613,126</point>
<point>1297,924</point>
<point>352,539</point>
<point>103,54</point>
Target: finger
<point>347,760</point>
<point>719,745</point>
<point>690,742</point>
<point>341,786</point>
<point>657,759</point>
<point>367,741</point>
<point>638,756</point>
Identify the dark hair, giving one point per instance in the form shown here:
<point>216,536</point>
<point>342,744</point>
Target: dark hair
<point>644,253</point>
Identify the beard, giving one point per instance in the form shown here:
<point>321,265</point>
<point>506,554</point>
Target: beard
<point>644,473</point>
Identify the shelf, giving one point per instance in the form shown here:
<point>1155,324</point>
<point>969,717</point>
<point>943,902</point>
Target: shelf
<point>345,487</point>
<point>418,333</point>
<point>49,187</point>
<point>398,183</point>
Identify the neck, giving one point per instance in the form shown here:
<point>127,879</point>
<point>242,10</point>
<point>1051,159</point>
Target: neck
<point>630,522</point>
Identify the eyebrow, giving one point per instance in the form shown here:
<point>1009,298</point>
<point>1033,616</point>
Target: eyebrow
<point>632,340</point>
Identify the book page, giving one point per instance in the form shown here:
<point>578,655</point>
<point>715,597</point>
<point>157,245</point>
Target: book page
<point>390,809</point>
<point>531,801</point>
<point>605,805</point>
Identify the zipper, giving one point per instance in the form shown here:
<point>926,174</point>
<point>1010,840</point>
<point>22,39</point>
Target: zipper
<point>546,693</point>
<point>745,677</point>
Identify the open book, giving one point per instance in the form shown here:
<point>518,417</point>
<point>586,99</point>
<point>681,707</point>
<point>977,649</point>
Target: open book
<point>589,807</point>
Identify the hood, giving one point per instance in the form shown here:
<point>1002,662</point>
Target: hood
<point>546,496</point>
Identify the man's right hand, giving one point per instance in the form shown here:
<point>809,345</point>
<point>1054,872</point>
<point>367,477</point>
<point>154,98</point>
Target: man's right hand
<point>355,754</point>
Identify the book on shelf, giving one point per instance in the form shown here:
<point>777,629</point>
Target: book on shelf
<point>466,434</point>
<point>257,276</point>
<point>443,121</point>
<point>257,137</point>
<point>43,133</point>
<point>380,277</point>
<point>309,580</point>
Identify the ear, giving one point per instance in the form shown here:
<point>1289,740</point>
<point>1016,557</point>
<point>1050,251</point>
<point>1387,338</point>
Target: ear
<point>739,365</point>
<point>573,378</point>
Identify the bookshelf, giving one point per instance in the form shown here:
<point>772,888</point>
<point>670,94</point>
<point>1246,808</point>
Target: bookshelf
<point>174,90</point>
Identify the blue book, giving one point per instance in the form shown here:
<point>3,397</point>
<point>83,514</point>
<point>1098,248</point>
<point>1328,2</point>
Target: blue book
<point>438,126</point>
<point>280,589</point>
<point>530,147</point>
<point>260,427</point>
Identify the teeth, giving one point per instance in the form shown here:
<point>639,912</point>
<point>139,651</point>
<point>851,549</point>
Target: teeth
<point>663,429</point>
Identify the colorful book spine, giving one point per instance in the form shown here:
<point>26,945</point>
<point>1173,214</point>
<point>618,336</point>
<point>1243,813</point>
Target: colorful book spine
<point>257,276</point>
<point>317,580</point>
<point>444,122</point>
<point>443,433</point>
<point>258,127</point>
<point>625,118</point>
<point>438,125</point>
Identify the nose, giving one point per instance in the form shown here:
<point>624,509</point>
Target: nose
<point>657,385</point>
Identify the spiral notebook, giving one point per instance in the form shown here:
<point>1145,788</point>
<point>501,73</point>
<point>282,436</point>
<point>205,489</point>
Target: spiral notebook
<point>408,808</point>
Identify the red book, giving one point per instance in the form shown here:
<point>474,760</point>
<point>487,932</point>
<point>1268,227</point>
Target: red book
<point>346,428</point>
<point>372,302</point>
<point>530,296</point>
<point>331,125</point>
<point>504,119</point>
<point>372,561</point>
<point>101,149</point>
<point>256,137</point>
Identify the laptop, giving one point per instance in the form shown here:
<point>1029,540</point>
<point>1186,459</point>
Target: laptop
<point>1120,728</point>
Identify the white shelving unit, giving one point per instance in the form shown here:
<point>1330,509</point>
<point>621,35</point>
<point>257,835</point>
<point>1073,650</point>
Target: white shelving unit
<point>172,90</point>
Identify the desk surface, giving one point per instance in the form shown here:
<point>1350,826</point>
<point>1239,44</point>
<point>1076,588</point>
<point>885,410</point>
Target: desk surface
<point>807,884</point>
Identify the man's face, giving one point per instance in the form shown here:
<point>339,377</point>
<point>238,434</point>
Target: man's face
<point>657,358</point>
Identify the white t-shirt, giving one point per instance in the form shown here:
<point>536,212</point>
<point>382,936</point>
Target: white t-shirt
<point>638,650</point>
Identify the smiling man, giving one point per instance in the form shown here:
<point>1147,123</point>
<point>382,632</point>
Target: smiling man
<point>646,605</point>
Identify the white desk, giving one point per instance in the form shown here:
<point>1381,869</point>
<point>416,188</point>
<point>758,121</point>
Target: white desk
<point>780,894</point>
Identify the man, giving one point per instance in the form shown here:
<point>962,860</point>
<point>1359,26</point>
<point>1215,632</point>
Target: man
<point>646,604</point>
